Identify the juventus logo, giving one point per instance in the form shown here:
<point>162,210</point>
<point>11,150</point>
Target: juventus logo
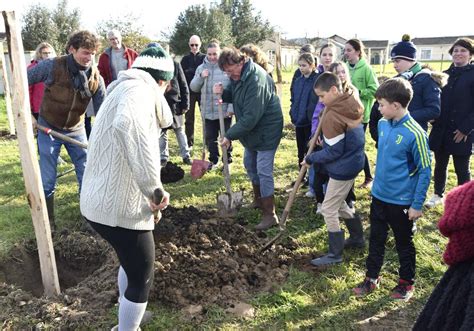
<point>399,139</point>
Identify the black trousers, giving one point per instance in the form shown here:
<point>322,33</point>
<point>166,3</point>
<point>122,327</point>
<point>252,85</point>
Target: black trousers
<point>461,167</point>
<point>212,134</point>
<point>367,171</point>
<point>302,138</point>
<point>189,117</point>
<point>382,216</point>
<point>136,252</point>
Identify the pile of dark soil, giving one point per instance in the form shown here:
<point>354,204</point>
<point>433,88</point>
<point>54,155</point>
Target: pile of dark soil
<point>171,173</point>
<point>200,260</point>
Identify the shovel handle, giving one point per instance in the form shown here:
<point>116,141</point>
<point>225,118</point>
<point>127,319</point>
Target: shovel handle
<point>202,105</point>
<point>56,134</point>
<point>157,198</point>
<point>224,148</point>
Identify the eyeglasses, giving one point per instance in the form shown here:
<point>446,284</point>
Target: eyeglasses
<point>194,45</point>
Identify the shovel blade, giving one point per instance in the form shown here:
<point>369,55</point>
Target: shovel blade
<point>199,168</point>
<point>228,204</point>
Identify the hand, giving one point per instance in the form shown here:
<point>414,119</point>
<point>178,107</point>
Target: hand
<point>414,214</point>
<point>230,114</point>
<point>156,208</point>
<point>304,164</point>
<point>34,125</point>
<point>205,73</point>
<point>319,141</point>
<point>224,142</point>
<point>218,88</point>
<point>459,136</point>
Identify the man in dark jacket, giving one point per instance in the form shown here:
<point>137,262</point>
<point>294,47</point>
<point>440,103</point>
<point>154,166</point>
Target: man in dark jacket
<point>259,125</point>
<point>71,82</point>
<point>177,96</point>
<point>189,63</point>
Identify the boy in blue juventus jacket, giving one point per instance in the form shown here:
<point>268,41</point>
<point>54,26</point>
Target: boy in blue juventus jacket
<point>402,179</point>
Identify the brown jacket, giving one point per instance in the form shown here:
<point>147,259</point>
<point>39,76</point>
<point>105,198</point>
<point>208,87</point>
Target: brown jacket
<point>63,106</point>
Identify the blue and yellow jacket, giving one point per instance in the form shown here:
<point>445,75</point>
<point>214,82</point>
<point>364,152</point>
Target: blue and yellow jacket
<point>403,171</point>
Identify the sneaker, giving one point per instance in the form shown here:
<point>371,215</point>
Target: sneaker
<point>187,160</point>
<point>367,183</point>
<point>310,194</point>
<point>213,166</point>
<point>319,206</point>
<point>403,291</point>
<point>366,287</point>
<point>434,201</point>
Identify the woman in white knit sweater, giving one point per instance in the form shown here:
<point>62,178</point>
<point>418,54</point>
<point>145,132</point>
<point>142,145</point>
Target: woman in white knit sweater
<point>122,172</point>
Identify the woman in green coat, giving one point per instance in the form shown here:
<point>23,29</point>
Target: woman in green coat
<point>364,79</point>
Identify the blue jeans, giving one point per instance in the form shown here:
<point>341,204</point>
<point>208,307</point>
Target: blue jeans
<point>49,149</point>
<point>259,166</point>
<point>182,142</point>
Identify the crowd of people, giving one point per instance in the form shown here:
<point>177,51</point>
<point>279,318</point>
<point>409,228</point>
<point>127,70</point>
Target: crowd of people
<point>136,98</point>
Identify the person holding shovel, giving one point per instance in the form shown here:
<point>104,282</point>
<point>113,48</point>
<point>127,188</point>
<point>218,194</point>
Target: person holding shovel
<point>123,175</point>
<point>210,71</point>
<point>259,125</point>
<point>71,82</point>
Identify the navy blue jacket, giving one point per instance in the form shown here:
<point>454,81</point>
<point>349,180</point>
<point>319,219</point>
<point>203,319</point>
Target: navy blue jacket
<point>457,112</point>
<point>303,100</point>
<point>426,103</point>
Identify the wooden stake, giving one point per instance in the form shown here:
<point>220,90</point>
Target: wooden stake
<point>6,85</point>
<point>278,63</point>
<point>29,161</point>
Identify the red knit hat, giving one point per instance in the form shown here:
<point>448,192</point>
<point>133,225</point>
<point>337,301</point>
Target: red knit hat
<point>457,223</point>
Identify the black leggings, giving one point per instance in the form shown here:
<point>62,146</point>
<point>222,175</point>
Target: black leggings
<point>136,252</point>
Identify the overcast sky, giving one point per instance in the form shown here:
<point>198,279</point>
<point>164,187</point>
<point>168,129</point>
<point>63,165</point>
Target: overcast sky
<point>366,19</point>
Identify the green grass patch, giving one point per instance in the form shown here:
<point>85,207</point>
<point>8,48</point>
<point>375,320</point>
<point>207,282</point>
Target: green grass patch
<point>309,299</point>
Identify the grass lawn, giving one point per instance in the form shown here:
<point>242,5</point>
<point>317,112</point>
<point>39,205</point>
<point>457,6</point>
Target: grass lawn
<point>309,299</point>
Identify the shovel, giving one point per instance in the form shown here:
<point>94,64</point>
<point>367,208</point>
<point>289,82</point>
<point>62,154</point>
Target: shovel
<point>53,133</point>
<point>291,198</point>
<point>228,202</point>
<point>199,167</point>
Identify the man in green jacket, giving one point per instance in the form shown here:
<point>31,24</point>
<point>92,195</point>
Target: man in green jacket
<point>259,125</point>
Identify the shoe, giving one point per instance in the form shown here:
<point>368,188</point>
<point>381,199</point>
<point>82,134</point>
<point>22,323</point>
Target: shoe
<point>213,166</point>
<point>319,208</point>
<point>310,194</point>
<point>403,291</point>
<point>187,160</point>
<point>367,183</point>
<point>366,287</point>
<point>434,201</point>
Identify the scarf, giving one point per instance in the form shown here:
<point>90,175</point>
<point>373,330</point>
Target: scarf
<point>80,76</point>
<point>410,73</point>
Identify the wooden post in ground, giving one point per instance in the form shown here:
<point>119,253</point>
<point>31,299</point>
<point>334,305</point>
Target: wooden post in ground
<point>6,85</point>
<point>29,161</point>
<point>278,63</point>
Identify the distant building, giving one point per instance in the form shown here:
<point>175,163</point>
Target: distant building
<point>290,51</point>
<point>377,51</point>
<point>435,48</point>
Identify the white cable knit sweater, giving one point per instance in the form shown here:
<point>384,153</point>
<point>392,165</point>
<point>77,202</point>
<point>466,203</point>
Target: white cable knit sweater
<point>123,157</point>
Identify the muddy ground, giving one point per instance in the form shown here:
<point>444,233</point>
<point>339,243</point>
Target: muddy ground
<point>201,260</point>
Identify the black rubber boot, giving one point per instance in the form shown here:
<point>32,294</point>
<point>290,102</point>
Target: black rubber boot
<point>356,233</point>
<point>50,209</point>
<point>336,246</point>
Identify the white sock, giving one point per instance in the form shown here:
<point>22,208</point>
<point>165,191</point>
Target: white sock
<point>130,314</point>
<point>122,282</point>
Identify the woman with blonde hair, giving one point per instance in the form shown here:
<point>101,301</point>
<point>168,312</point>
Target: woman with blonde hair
<point>42,52</point>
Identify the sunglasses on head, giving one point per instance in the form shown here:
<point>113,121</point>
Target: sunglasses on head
<point>194,45</point>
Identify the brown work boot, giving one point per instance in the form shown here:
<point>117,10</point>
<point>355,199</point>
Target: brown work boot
<point>269,218</point>
<point>256,204</point>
